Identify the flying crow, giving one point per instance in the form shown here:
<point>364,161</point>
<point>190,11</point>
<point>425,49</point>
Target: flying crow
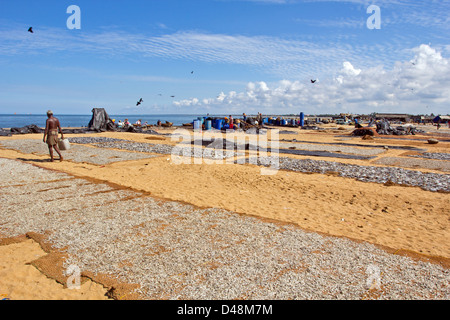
<point>139,102</point>
<point>313,81</point>
<point>30,29</point>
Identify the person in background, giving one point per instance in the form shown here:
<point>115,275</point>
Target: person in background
<point>231,122</point>
<point>52,126</point>
<point>260,120</point>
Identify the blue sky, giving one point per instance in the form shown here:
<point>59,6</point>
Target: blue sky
<point>246,56</point>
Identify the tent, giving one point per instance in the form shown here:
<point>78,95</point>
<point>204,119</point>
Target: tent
<point>100,121</point>
<point>441,119</point>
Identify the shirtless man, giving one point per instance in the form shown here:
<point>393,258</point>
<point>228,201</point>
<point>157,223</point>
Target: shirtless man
<point>51,132</point>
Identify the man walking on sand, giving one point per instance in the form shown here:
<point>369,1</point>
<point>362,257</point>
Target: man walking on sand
<point>51,132</point>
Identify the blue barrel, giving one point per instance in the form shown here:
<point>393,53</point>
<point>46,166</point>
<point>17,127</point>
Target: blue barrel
<point>208,125</point>
<point>197,124</point>
<point>302,119</point>
<point>218,124</point>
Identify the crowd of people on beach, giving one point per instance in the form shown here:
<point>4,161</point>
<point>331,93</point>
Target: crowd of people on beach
<point>229,122</point>
<point>126,123</point>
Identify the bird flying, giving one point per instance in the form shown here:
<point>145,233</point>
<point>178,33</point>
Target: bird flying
<point>139,102</point>
<point>30,29</point>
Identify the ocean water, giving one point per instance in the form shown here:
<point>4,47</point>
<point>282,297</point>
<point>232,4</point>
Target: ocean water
<point>21,120</point>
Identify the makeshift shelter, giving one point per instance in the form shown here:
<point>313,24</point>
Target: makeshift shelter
<point>100,121</point>
<point>384,128</point>
<point>394,117</point>
<point>441,119</point>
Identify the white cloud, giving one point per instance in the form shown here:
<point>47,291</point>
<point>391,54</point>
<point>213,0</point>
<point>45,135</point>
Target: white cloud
<point>409,86</point>
<point>162,26</point>
<point>347,70</point>
<point>337,23</point>
<point>276,56</point>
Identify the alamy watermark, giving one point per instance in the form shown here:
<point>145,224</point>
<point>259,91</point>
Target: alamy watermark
<point>74,21</point>
<point>374,277</point>
<point>374,21</point>
<point>214,147</point>
<point>74,279</point>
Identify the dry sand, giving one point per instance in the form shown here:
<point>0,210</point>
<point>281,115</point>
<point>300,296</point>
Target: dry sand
<point>19,280</point>
<point>400,218</point>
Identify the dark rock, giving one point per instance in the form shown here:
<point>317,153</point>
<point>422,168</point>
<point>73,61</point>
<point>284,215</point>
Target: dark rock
<point>4,133</point>
<point>27,129</point>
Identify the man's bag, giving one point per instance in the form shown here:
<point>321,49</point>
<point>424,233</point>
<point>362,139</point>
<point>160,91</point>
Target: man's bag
<point>63,144</point>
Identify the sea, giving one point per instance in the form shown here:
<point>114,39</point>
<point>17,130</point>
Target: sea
<point>78,121</point>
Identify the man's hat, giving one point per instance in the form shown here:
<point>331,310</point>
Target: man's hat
<point>49,112</point>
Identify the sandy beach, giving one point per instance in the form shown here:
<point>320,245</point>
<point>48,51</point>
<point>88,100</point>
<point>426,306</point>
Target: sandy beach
<point>399,219</point>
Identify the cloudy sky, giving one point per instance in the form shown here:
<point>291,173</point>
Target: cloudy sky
<point>225,56</point>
